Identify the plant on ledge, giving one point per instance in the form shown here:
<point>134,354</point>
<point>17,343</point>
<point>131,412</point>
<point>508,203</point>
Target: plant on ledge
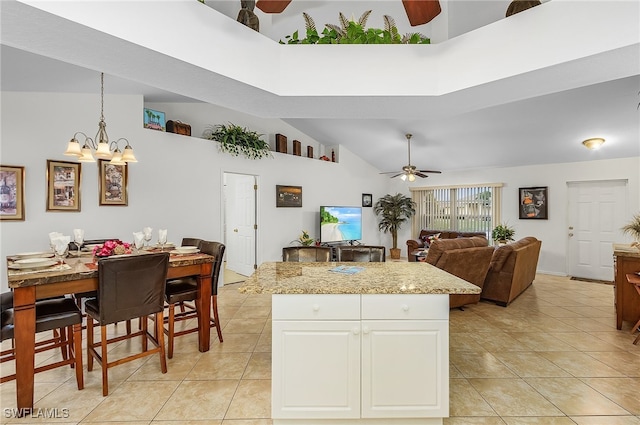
<point>238,140</point>
<point>351,32</point>
<point>503,233</point>
<point>393,211</point>
<point>633,228</point>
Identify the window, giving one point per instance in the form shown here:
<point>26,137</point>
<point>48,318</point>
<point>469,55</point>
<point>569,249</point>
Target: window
<point>460,208</point>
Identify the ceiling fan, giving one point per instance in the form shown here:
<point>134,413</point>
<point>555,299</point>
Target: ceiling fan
<point>418,11</point>
<point>409,172</point>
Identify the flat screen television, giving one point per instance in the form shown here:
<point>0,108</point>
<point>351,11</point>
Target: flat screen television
<point>340,224</point>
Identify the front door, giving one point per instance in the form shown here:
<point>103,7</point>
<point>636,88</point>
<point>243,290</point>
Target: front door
<point>241,226</point>
<point>596,213</point>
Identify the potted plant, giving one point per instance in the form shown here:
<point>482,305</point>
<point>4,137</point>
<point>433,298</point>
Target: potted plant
<point>393,211</point>
<point>238,140</point>
<point>633,228</point>
<point>502,233</point>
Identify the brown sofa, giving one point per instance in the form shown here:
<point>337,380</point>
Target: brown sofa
<point>467,258</point>
<point>415,244</point>
<point>512,270</point>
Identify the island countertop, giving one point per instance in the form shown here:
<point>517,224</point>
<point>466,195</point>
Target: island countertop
<point>374,278</point>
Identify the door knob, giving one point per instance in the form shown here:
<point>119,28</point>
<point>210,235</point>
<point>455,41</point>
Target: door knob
<point>235,230</point>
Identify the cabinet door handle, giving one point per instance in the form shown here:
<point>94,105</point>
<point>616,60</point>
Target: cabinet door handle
<point>316,307</point>
<point>356,330</point>
<point>405,307</point>
<point>365,330</point>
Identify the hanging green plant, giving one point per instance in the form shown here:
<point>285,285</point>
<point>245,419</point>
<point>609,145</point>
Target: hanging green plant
<point>237,140</point>
<point>352,32</point>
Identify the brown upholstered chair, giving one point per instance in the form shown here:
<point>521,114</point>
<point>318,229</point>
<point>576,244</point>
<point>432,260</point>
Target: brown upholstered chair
<point>60,315</point>
<point>361,253</point>
<point>129,288</point>
<point>467,258</point>
<point>306,254</point>
<point>179,291</point>
<point>191,241</point>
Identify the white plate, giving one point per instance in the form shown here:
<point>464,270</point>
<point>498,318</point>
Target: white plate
<point>189,250</point>
<point>23,264</point>
<point>35,254</point>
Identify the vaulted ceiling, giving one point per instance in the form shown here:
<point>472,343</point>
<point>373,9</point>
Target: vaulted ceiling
<point>535,118</point>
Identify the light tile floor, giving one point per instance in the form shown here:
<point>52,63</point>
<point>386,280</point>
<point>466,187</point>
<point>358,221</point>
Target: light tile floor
<point>552,357</point>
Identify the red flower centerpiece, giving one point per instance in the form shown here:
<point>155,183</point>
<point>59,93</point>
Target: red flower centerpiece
<point>114,247</point>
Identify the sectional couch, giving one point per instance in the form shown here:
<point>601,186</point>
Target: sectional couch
<point>421,242</point>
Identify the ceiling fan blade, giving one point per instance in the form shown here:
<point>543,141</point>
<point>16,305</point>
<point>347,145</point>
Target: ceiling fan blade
<point>272,6</point>
<point>399,174</point>
<point>419,174</point>
<point>420,11</point>
<point>430,171</point>
<point>389,172</point>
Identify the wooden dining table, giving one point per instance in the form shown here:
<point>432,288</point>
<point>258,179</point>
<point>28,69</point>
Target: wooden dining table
<point>79,275</point>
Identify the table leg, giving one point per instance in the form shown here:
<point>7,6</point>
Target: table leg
<point>204,309</point>
<point>24,317</point>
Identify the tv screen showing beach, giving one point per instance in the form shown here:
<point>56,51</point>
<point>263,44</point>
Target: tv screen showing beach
<point>339,224</point>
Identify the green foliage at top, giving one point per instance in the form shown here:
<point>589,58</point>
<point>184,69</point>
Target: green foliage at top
<point>237,140</point>
<point>393,211</point>
<point>326,217</point>
<point>633,227</point>
<point>352,32</point>
<point>503,232</point>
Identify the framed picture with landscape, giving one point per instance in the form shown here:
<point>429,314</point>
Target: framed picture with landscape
<point>63,186</point>
<point>288,196</point>
<point>11,192</point>
<point>112,183</point>
<point>534,203</point>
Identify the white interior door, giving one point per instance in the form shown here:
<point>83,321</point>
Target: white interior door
<point>596,214</point>
<point>241,226</point>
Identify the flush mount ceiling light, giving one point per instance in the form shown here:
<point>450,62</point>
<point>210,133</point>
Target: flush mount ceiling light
<point>101,145</point>
<point>593,144</point>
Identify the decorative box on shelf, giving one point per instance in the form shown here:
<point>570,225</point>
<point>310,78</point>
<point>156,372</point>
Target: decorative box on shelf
<point>297,148</point>
<point>281,143</point>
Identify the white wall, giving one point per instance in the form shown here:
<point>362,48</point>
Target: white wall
<point>177,183</point>
<point>554,231</point>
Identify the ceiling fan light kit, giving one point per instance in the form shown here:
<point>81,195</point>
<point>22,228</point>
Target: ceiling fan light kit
<point>409,172</point>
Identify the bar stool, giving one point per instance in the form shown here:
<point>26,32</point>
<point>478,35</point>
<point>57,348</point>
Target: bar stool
<point>634,279</point>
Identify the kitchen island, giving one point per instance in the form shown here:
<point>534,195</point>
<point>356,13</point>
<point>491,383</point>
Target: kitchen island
<point>370,347</point>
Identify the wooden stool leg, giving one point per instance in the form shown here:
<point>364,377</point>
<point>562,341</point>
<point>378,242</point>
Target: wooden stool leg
<point>104,362</point>
<point>214,304</point>
<point>77,354</point>
<point>90,344</point>
<point>160,329</point>
<point>171,324</point>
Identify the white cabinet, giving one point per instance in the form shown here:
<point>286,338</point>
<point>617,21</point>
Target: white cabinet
<point>360,357</point>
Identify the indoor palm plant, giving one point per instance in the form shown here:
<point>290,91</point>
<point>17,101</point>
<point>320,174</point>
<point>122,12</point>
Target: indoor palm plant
<point>502,233</point>
<point>633,228</point>
<point>237,140</point>
<point>393,211</point>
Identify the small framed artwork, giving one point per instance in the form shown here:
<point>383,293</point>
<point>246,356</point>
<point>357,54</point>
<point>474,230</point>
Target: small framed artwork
<point>63,186</point>
<point>112,183</point>
<point>11,193</point>
<point>367,200</point>
<point>288,196</point>
<point>534,203</point>
<point>155,120</point>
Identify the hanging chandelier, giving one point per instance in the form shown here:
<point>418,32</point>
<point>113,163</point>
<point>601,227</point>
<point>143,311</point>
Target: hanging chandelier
<point>101,145</point>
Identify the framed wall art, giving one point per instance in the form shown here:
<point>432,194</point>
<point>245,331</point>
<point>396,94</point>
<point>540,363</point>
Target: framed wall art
<point>155,120</point>
<point>11,192</point>
<point>112,183</point>
<point>288,196</point>
<point>367,200</point>
<point>63,186</point>
<point>534,203</point>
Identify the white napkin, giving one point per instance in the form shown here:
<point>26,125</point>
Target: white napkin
<point>61,244</point>
<point>52,236</point>
<point>147,232</point>
<point>138,238</point>
<point>162,236</point>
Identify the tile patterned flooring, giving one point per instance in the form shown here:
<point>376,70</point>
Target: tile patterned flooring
<point>552,357</point>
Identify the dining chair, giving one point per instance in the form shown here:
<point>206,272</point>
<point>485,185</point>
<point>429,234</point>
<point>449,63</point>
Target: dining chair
<point>306,254</point>
<point>60,315</point>
<point>180,291</point>
<point>361,253</point>
<point>128,288</point>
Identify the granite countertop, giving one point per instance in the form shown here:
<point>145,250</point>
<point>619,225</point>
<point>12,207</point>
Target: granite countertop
<point>626,250</point>
<point>375,278</point>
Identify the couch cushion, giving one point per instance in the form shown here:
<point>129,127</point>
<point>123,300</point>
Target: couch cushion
<point>441,245</point>
<point>503,252</point>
